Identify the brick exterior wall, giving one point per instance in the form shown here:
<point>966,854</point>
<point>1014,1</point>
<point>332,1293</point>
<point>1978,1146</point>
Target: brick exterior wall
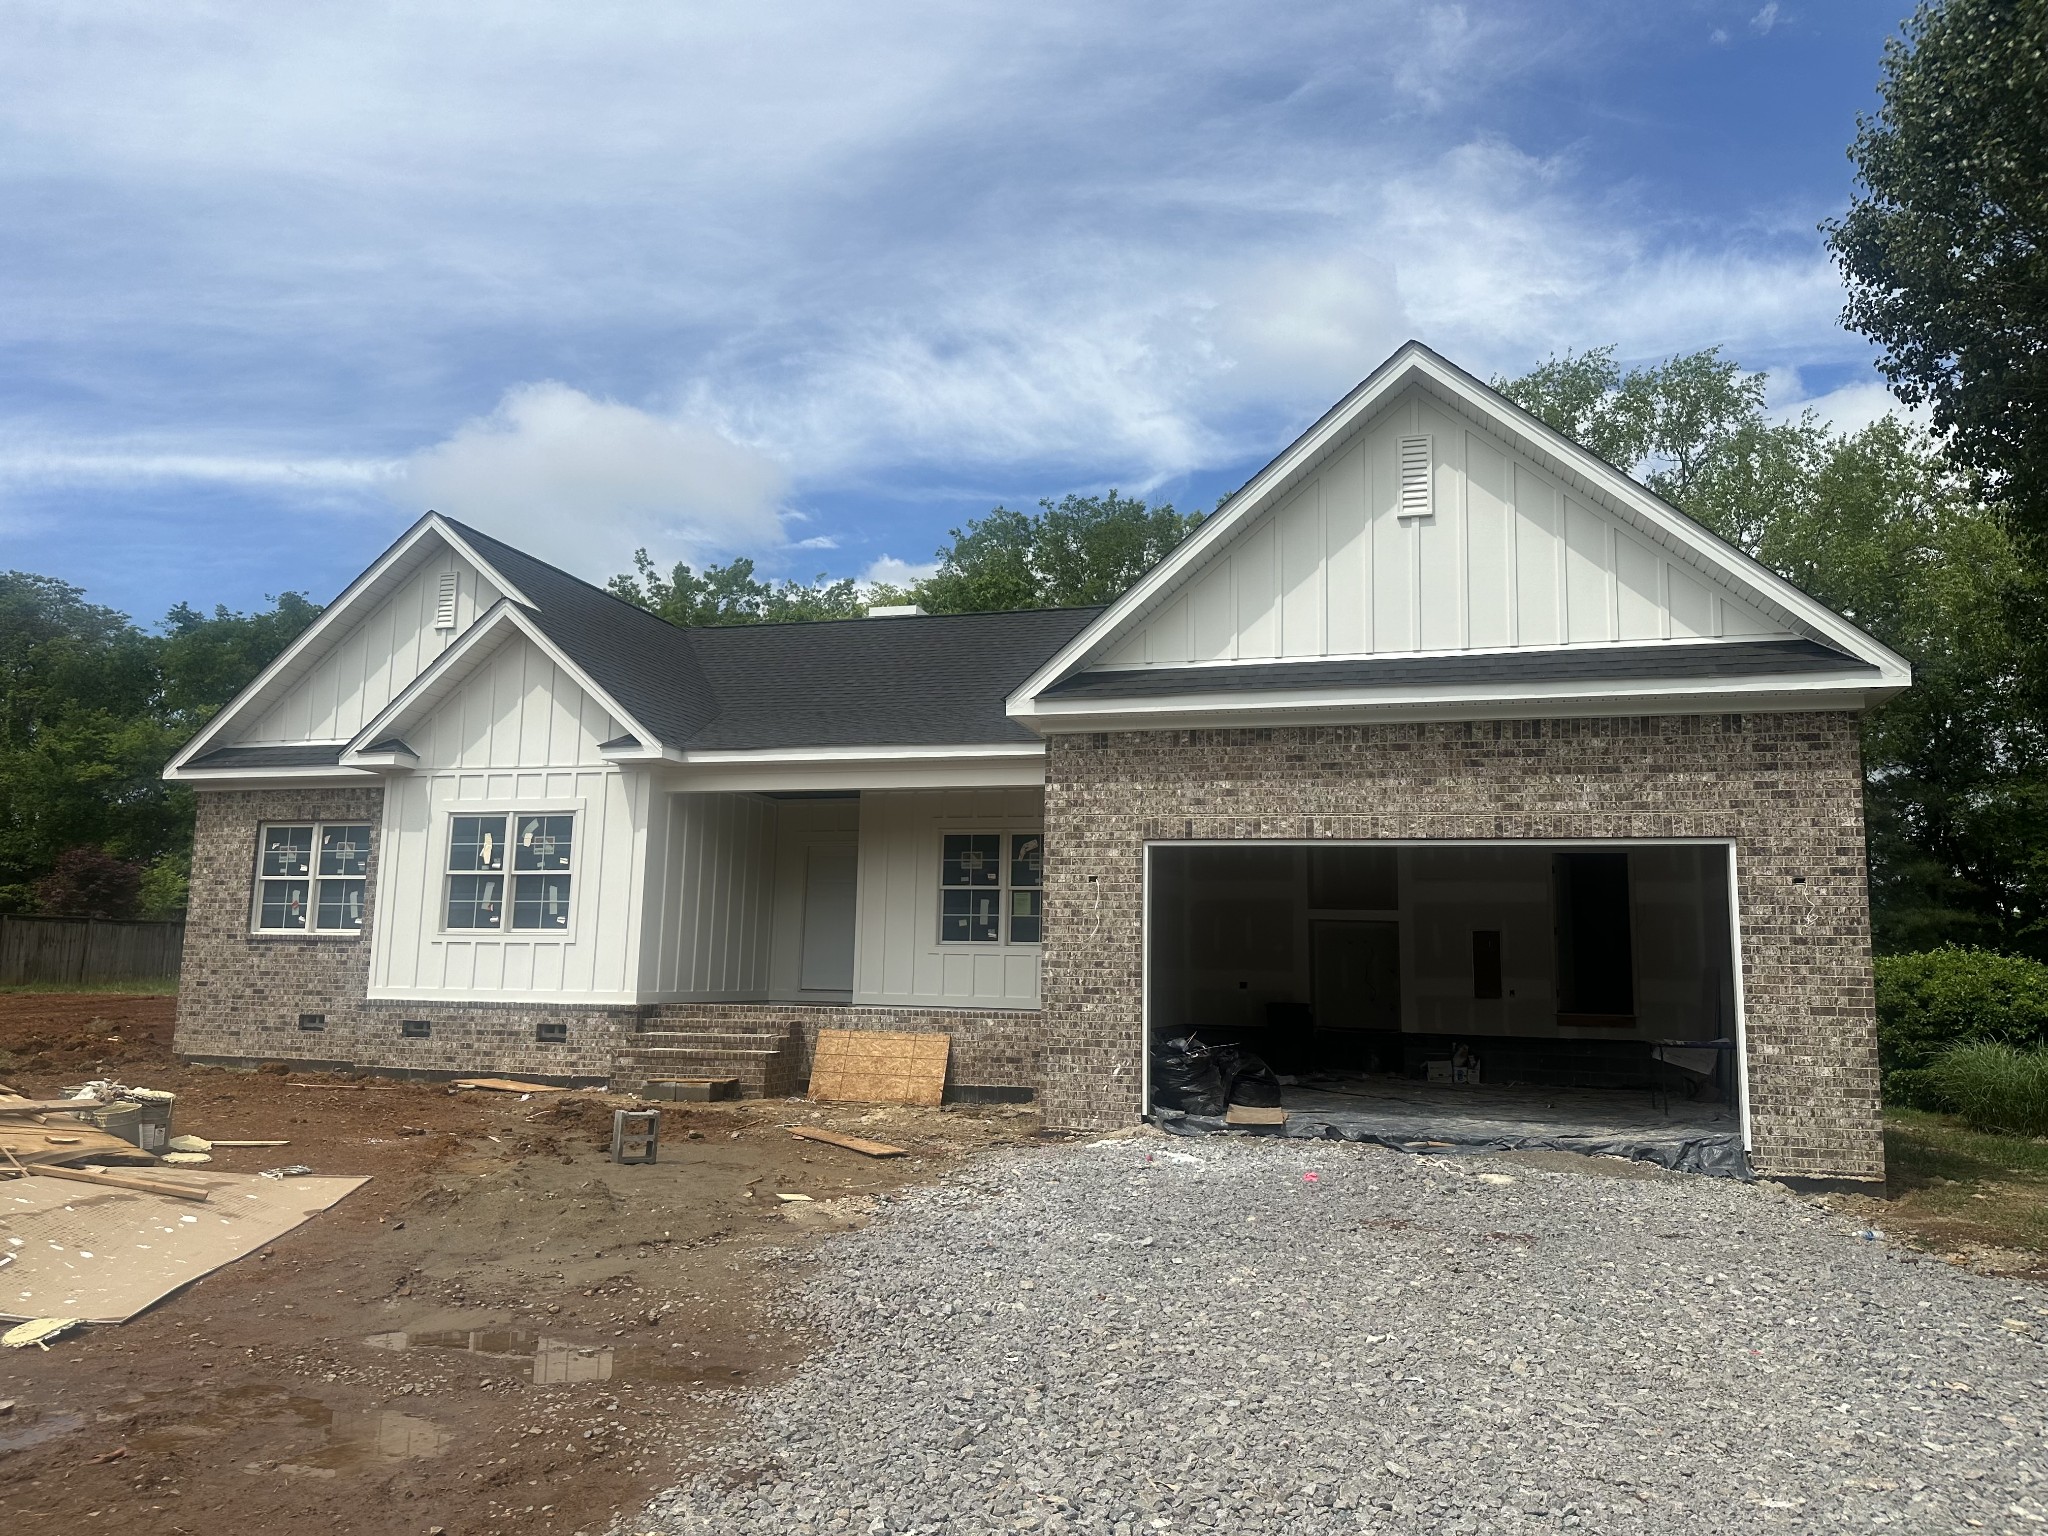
<point>1787,788</point>
<point>241,993</point>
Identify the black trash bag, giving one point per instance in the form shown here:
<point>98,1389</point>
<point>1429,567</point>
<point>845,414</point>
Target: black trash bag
<point>1249,1081</point>
<point>1185,1077</point>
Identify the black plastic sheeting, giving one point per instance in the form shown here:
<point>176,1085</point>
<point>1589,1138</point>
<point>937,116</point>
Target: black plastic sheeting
<point>1716,1154</point>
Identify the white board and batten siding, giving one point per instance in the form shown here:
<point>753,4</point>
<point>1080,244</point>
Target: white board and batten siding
<point>710,896</point>
<point>1505,557</point>
<point>518,735</point>
<point>898,958</point>
<point>372,662</point>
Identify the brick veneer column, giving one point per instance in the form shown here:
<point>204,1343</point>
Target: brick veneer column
<point>1787,788</point>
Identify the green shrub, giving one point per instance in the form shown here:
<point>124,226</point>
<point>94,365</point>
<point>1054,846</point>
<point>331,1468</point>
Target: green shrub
<point>1930,1001</point>
<point>1994,1087</point>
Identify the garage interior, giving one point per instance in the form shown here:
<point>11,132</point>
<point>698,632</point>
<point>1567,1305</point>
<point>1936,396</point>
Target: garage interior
<point>1450,997</point>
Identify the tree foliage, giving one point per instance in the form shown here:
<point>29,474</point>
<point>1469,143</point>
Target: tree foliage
<point>1945,248</point>
<point>1877,525</point>
<point>733,594</point>
<point>1072,553</point>
<point>91,708</point>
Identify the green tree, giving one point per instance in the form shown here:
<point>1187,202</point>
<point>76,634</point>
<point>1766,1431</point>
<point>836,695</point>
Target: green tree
<point>205,661</point>
<point>1945,248</point>
<point>733,594</point>
<point>1877,525</point>
<point>1071,553</point>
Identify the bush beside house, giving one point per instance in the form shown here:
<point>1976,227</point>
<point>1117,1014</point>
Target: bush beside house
<point>1965,1030</point>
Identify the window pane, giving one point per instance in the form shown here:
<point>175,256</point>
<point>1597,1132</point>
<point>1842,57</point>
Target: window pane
<point>287,851</point>
<point>1024,915</point>
<point>344,850</point>
<point>972,858</point>
<point>970,917</point>
<point>341,906</point>
<point>284,903</point>
<point>540,901</point>
<point>476,901</point>
<point>543,842</point>
<point>476,843</point>
<point>1027,860</point>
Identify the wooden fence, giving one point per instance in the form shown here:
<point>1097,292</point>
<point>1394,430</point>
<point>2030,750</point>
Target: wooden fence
<point>87,949</point>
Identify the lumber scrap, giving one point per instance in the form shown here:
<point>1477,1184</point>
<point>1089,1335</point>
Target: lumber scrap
<point>48,1106</point>
<point>858,1144</point>
<point>50,1139</point>
<point>506,1085</point>
<point>875,1066</point>
<point>141,1183</point>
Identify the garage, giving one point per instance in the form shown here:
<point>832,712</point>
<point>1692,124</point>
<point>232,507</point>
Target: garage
<point>1450,996</point>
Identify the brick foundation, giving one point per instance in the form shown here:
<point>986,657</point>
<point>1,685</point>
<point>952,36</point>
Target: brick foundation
<point>1787,788</point>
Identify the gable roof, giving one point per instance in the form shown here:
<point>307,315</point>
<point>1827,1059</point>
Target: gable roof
<point>1053,696</point>
<point>938,681</point>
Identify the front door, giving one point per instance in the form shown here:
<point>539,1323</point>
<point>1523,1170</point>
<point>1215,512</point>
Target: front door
<point>829,882</point>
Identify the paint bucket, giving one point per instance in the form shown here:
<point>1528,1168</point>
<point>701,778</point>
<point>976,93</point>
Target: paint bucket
<point>153,1129</point>
<point>122,1118</point>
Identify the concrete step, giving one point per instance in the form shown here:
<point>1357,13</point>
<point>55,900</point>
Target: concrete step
<point>763,1071</point>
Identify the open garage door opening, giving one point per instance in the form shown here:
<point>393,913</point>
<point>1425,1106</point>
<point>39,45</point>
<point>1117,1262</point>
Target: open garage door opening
<point>1450,997</point>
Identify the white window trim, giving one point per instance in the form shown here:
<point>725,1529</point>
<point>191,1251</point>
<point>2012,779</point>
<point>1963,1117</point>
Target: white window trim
<point>444,842</point>
<point>940,945</point>
<point>312,878</point>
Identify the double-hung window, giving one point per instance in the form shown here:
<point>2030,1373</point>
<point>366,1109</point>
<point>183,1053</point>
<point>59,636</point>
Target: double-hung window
<point>312,877</point>
<point>509,861</point>
<point>990,887</point>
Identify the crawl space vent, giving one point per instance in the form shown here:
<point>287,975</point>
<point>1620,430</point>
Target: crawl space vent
<point>312,1021</point>
<point>551,1034</point>
<point>415,1029</point>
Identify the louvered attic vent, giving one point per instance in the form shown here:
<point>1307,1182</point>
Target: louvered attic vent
<point>444,610</point>
<point>1416,458</point>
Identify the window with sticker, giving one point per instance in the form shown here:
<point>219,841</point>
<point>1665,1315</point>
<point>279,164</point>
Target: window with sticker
<point>510,870</point>
<point>312,877</point>
<point>990,887</point>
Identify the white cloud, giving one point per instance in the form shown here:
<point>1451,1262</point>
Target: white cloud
<point>1764,20</point>
<point>887,570</point>
<point>1849,408</point>
<point>585,482</point>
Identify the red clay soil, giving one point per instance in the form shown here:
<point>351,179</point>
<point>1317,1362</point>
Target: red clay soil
<point>503,1331</point>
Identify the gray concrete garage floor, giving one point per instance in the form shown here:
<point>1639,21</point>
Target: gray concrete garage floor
<point>1268,1336</point>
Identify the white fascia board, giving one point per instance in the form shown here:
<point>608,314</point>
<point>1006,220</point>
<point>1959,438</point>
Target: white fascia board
<point>426,998</point>
<point>1614,489</point>
<point>1821,690</point>
<point>454,664</point>
<point>333,615</point>
<point>1012,765</point>
<point>298,777</point>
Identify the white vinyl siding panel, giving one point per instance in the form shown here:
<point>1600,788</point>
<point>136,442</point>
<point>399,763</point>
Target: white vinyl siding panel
<point>1504,558</point>
<point>372,661</point>
<point>898,959</point>
<point>518,735</point>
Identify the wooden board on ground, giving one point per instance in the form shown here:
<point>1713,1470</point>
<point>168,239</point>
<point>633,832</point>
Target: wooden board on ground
<point>1254,1114</point>
<point>35,1139</point>
<point>858,1144</point>
<point>141,1183</point>
<point>105,1259</point>
<point>873,1066</point>
<point>506,1085</point>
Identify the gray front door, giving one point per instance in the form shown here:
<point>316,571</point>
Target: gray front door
<point>828,918</point>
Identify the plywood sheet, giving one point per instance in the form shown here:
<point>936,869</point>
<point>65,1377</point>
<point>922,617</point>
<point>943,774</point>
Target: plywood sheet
<point>103,1255</point>
<point>872,1066</point>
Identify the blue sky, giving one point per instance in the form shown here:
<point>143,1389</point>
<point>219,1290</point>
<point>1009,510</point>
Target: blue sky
<point>814,283</point>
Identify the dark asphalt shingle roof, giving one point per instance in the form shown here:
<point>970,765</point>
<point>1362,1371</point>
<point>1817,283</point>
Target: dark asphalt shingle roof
<point>941,680</point>
<point>1675,660</point>
<point>938,680</point>
<point>292,755</point>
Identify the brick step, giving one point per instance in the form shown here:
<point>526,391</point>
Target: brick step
<point>762,1071</point>
<point>741,1039</point>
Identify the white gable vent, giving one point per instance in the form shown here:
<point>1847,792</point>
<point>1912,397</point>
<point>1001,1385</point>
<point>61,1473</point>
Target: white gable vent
<point>444,607</point>
<point>1416,458</point>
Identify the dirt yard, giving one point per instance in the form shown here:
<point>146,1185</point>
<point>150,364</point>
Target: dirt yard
<point>502,1332</point>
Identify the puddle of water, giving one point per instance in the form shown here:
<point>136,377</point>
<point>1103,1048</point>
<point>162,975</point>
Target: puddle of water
<point>38,1431</point>
<point>556,1362</point>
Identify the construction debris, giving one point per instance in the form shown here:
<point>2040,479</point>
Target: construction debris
<point>37,1131</point>
<point>37,1331</point>
<point>288,1171</point>
<point>506,1085</point>
<point>858,1144</point>
<point>875,1066</point>
<point>141,1183</point>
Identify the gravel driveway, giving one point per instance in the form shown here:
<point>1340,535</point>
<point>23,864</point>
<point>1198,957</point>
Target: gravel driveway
<point>1261,1336</point>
